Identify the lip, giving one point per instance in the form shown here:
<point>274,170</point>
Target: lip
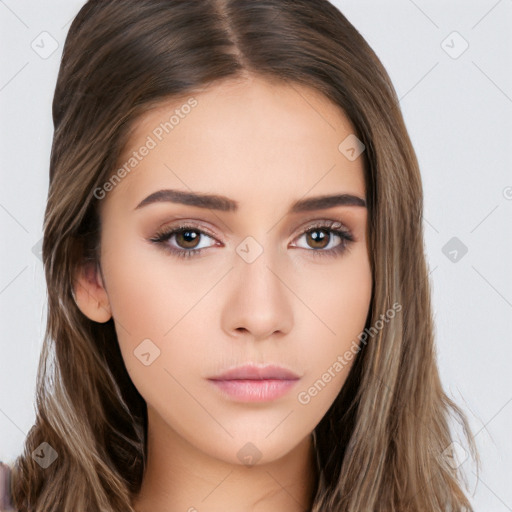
<point>253,383</point>
<point>257,372</point>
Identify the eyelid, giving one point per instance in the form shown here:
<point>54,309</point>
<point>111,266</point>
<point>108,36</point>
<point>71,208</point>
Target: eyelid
<point>315,223</point>
<point>324,223</point>
<point>185,224</point>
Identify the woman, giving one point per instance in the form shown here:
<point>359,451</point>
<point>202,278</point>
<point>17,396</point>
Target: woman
<point>287,360</point>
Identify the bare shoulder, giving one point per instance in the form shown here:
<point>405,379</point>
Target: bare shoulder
<point>5,488</point>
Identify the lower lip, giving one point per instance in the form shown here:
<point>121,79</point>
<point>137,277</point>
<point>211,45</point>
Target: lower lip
<point>254,390</point>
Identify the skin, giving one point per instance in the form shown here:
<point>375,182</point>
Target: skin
<point>265,145</point>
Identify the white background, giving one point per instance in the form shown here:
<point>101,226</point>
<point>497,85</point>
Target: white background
<point>459,115</point>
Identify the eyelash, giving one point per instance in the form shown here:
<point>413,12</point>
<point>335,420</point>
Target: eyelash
<point>332,227</point>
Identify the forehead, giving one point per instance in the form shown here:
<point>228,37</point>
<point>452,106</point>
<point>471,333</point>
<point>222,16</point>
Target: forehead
<point>241,138</point>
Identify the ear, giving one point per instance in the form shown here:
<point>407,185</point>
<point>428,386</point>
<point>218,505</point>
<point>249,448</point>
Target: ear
<point>90,294</point>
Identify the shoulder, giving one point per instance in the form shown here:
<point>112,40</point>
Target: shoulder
<point>5,488</point>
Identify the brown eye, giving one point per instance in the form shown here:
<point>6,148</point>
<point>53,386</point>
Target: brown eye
<point>328,238</point>
<point>321,240</point>
<point>183,241</point>
<point>318,238</point>
<point>187,238</point>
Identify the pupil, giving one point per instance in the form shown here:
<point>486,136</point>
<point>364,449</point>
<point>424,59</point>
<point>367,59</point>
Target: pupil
<point>320,238</point>
<point>189,236</point>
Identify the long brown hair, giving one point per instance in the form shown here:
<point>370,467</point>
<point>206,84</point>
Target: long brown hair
<point>385,443</point>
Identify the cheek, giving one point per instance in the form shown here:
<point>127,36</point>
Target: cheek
<point>149,291</point>
<point>338,297</point>
<point>156,302</point>
<point>339,306</point>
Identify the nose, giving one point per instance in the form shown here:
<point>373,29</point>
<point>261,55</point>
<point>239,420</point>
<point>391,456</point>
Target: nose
<point>258,303</point>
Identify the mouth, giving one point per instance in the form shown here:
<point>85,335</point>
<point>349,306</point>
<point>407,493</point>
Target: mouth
<point>252,383</point>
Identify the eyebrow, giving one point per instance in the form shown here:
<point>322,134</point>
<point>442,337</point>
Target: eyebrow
<point>225,204</point>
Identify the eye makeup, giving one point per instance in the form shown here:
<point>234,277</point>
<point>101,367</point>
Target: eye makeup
<point>189,232</point>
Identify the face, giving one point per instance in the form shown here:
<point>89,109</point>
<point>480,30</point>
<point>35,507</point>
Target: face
<point>197,287</point>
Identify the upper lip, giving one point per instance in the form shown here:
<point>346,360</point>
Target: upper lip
<point>256,372</point>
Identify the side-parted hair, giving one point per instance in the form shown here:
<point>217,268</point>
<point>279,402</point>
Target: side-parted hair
<point>385,443</point>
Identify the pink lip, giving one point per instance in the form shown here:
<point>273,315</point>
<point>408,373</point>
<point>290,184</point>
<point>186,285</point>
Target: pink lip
<point>255,372</point>
<point>251,383</point>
